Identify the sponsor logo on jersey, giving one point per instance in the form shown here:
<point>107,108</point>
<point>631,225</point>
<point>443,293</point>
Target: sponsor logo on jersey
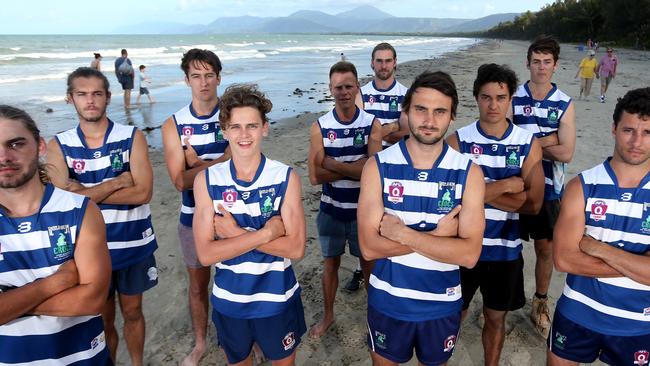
<point>187,130</point>
<point>229,197</point>
<point>266,206</point>
<point>79,166</point>
<point>446,192</point>
<point>528,110</point>
<point>60,241</point>
<point>359,139</point>
<point>598,210</point>
<point>396,192</point>
<point>331,135</point>
<point>476,151</point>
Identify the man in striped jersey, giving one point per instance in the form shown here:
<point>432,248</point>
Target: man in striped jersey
<point>193,141</point>
<point>603,244</point>
<point>510,158</point>
<point>337,151</point>
<point>250,222</point>
<point>422,205</point>
<point>541,108</point>
<point>109,163</point>
<point>54,264</point>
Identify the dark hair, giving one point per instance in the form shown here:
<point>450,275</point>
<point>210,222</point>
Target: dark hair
<point>343,67</point>
<point>123,52</point>
<point>87,72</point>
<point>141,67</point>
<point>439,81</point>
<point>196,55</point>
<point>382,47</point>
<point>635,101</point>
<point>19,115</point>
<point>242,95</point>
<point>493,73</point>
<point>544,44</point>
<point>97,55</point>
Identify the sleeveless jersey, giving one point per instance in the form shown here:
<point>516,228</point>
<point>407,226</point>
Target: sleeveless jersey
<point>129,231</point>
<point>206,138</point>
<point>619,217</point>
<point>542,118</point>
<point>253,284</point>
<point>346,142</point>
<point>32,248</point>
<point>413,287</point>
<point>499,158</point>
<point>384,104</point>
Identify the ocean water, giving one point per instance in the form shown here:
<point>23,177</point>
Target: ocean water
<point>33,69</point>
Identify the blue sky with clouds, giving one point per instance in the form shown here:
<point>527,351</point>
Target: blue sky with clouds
<point>92,17</point>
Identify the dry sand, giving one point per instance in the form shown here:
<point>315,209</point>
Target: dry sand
<point>169,334</point>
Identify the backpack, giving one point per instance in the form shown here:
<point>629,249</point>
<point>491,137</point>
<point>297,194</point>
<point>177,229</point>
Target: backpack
<point>125,68</point>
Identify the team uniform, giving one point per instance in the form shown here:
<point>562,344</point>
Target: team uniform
<point>499,271</point>
<point>32,248</point>
<point>609,317</point>
<point>129,231</point>
<point>255,296</point>
<point>345,141</point>
<point>542,118</point>
<point>207,140</point>
<point>414,301</point>
<point>384,104</point>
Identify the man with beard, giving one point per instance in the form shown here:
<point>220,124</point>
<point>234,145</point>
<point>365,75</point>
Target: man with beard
<point>604,245</point>
<point>54,264</point>
<point>109,163</point>
<point>422,205</point>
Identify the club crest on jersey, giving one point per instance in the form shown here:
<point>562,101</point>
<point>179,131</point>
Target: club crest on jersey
<point>476,151</point>
<point>266,206</point>
<point>289,341</point>
<point>512,157</point>
<point>229,197</point>
<point>553,114</point>
<point>219,137</point>
<point>450,343</point>
<point>645,224</point>
<point>528,111</point>
<point>392,106</point>
<point>371,100</point>
<point>60,241</point>
<point>446,192</point>
<point>331,135</point>
<point>641,357</point>
<point>79,166</point>
<point>187,130</point>
<point>116,162</point>
<point>359,139</point>
<point>598,210</point>
<point>396,192</point>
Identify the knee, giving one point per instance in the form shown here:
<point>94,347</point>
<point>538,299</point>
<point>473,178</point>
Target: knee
<point>132,314</point>
<point>543,249</point>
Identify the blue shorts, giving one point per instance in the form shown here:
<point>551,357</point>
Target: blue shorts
<point>134,279</point>
<point>574,342</point>
<point>333,235</point>
<point>278,336</point>
<point>434,340</point>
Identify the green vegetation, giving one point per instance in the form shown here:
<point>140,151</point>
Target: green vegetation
<point>620,22</point>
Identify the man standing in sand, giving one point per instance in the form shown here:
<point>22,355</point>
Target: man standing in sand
<point>606,70</point>
<point>109,163</point>
<point>511,160</point>
<point>250,222</point>
<point>192,141</point>
<point>541,108</point>
<point>125,75</point>
<point>337,152</point>
<point>604,226</point>
<point>420,218</point>
<point>54,264</point>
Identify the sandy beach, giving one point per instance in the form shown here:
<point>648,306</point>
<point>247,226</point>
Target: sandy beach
<point>169,334</point>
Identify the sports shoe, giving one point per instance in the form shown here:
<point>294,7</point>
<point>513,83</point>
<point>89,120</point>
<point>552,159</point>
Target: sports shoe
<point>602,99</point>
<point>355,281</point>
<point>539,316</point>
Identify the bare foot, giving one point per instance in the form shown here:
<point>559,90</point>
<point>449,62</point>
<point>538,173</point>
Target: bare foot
<point>258,355</point>
<point>319,329</point>
<point>194,357</point>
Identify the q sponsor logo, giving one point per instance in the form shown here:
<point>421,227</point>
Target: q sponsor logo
<point>187,131</point>
<point>641,357</point>
<point>396,192</point>
<point>598,210</point>
<point>229,197</point>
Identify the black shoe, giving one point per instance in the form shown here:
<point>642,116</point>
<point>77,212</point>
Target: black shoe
<point>355,281</point>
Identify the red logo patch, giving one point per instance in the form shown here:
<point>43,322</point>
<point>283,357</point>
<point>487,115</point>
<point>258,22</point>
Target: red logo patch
<point>331,135</point>
<point>187,131</point>
<point>396,192</point>
<point>598,210</point>
<point>229,197</point>
<point>371,99</point>
<point>476,150</point>
<point>641,357</point>
<point>289,341</point>
<point>78,166</point>
<point>450,343</point>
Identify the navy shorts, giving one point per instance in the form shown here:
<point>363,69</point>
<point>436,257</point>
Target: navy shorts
<point>540,226</point>
<point>574,342</point>
<point>501,284</point>
<point>434,340</point>
<point>333,234</point>
<point>278,336</point>
<point>144,90</point>
<point>135,279</point>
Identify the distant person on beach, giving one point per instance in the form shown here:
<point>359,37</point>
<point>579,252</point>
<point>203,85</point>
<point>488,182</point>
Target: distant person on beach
<point>511,160</point>
<point>587,73</point>
<point>96,63</point>
<point>337,151</point>
<point>420,218</point>
<point>250,222</point>
<point>54,264</point>
<point>604,225</point>
<point>125,75</point>
<point>541,108</point>
<point>192,141</point>
<point>144,82</point>
<point>606,71</point>
<point>109,163</point>
<point>343,58</point>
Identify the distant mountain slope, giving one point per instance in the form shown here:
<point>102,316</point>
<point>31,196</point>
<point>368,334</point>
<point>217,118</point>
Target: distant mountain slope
<point>481,24</point>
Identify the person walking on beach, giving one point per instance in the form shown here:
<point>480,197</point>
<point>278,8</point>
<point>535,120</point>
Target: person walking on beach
<point>541,108</point>
<point>144,81</point>
<point>604,225</point>
<point>420,218</point>
<point>606,71</point>
<point>587,73</point>
<point>54,264</point>
<point>125,75</point>
<point>96,63</point>
<point>250,222</point>
<point>192,141</point>
<point>109,163</point>
<point>337,151</point>
<point>511,160</point>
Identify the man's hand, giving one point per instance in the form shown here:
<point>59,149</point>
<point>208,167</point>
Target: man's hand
<point>275,227</point>
<point>549,140</point>
<point>125,180</point>
<point>389,128</point>
<point>591,246</point>
<point>390,227</point>
<point>225,225</point>
<point>448,225</point>
<point>514,184</point>
<point>329,163</point>
<point>66,276</point>
<point>191,157</point>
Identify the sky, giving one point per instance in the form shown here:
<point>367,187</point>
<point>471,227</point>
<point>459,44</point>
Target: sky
<point>102,17</point>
